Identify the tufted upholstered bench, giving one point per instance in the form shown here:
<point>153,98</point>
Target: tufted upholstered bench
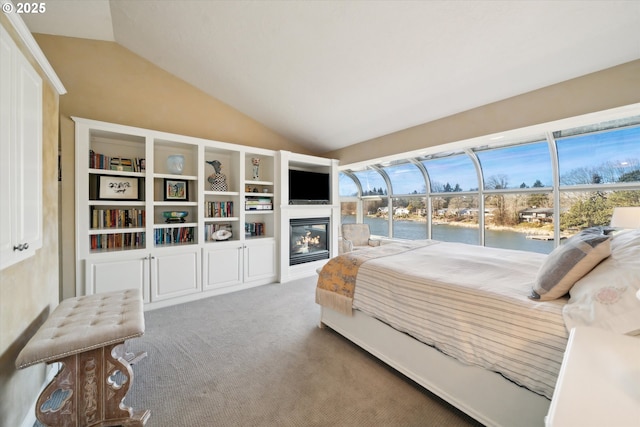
<point>87,336</point>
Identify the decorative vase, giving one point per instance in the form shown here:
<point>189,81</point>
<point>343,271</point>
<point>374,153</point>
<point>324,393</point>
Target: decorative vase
<point>255,161</point>
<point>175,164</point>
<point>218,180</point>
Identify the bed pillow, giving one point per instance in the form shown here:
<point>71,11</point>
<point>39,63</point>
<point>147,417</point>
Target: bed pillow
<point>569,262</point>
<point>606,297</point>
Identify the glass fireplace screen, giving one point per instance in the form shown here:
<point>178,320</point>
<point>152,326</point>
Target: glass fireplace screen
<point>308,240</point>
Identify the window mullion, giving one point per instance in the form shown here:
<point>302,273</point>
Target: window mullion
<point>476,164</point>
<point>555,171</point>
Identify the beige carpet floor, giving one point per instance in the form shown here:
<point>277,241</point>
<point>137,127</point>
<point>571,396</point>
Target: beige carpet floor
<point>258,358</point>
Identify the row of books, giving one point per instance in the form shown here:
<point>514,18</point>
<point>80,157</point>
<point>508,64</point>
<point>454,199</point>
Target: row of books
<point>258,204</point>
<point>252,229</point>
<point>117,218</point>
<point>210,229</point>
<point>166,236</point>
<point>100,161</point>
<point>117,241</point>
<point>218,209</point>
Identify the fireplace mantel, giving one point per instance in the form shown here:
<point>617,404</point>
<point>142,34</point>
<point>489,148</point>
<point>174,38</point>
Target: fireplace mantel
<point>288,212</point>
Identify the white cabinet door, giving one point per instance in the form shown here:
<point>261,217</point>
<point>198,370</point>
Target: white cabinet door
<point>7,53</point>
<point>260,260</point>
<point>222,266</point>
<point>117,275</point>
<point>28,155</point>
<point>21,155</point>
<point>175,273</point>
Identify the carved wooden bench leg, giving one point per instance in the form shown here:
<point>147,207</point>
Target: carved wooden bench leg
<point>90,390</point>
<point>56,404</point>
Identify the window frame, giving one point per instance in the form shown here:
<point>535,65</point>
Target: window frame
<point>496,141</point>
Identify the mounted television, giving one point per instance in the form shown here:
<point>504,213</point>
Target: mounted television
<point>308,187</point>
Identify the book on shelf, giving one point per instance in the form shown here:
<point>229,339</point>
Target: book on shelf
<point>101,161</point>
<point>114,164</point>
<point>219,209</point>
<point>252,229</point>
<point>117,218</point>
<point>126,165</point>
<point>258,204</point>
<point>118,241</point>
<point>166,236</point>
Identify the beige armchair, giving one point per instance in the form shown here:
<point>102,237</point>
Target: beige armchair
<point>356,236</point>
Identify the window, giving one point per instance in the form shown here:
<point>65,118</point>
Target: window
<point>521,221</point>
<point>451,173</point>
<point>405,179</point>
<point>519,166</point>
<point>376,215</point>
<point>371,182</point>
<point>348,212</point>
<point>347,186</point>
<point>455,219</point>
<point>600,157</point>
<point>409,218</point>
<point>583,209</point>
<point>589,169</point>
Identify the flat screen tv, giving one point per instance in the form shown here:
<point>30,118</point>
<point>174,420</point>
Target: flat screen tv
<point>308,187</point>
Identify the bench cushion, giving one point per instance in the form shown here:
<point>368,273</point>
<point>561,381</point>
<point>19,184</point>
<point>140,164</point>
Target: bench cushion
<point>85,323</point>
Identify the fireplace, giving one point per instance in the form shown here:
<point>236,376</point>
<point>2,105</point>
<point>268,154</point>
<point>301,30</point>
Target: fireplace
<point>308,240</point>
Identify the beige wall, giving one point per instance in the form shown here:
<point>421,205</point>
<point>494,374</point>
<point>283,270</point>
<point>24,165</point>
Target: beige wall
<point>29,290</point>
<point>107,82</point>
<point>110,83</point>
<point>610,88</point>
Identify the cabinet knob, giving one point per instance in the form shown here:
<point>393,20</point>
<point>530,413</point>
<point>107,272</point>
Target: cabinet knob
<point>21,247</point>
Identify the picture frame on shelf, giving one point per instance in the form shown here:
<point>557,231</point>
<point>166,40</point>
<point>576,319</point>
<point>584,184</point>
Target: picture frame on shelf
<point>176,190</point>
<point>118,188</point>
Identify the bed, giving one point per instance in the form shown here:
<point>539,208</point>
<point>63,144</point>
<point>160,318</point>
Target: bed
<point>475,325</point>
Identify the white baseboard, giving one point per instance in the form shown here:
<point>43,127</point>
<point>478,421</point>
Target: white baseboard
<point>30,419</point>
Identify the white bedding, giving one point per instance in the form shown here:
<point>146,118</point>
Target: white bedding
<point>606,297</point>
<point>471,303</point>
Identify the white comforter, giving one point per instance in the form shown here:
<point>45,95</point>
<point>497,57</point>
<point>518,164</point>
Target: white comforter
<point>471,303</point>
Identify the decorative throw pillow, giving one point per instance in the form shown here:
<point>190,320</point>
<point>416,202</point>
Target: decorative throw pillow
<point>569,262</point>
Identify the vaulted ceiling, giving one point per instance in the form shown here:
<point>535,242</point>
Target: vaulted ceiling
<point>328,74</point>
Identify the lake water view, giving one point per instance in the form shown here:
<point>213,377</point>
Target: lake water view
<point>415,230</point>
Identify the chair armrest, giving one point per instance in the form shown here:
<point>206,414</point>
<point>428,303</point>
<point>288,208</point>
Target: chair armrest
<point>346,245</point>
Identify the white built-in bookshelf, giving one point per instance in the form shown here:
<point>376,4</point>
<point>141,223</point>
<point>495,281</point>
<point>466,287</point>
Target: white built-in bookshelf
<point>175,234</point>
<point>181,217</point>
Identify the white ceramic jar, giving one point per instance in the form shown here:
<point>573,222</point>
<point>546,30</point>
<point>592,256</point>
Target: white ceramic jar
<point>175,164</point>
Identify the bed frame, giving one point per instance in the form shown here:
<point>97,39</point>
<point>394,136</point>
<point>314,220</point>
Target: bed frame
<point>484,395</point>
